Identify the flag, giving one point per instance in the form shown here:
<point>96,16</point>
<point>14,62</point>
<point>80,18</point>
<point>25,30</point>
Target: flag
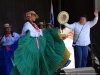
<point>51,14</point>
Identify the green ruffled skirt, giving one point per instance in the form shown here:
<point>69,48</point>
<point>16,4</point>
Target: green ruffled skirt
<point>52,54</point>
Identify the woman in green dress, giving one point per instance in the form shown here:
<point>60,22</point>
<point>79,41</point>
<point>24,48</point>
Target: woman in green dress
<point>39,52</point>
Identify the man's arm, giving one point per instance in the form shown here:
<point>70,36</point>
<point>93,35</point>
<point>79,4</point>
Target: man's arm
<point>71,26</point>
<point>92,23</point>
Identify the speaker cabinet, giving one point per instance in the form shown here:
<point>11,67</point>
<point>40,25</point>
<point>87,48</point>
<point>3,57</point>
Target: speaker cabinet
<point>79,71</point>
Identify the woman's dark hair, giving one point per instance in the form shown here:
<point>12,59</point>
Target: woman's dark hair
<point>6,32</point>
<point>62,27</point>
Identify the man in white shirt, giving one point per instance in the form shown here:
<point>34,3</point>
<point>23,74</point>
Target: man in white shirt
<point>82,38</point>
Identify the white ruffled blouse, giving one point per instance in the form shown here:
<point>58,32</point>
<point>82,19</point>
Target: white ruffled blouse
<point>10,39</point>
<point>33,32</point>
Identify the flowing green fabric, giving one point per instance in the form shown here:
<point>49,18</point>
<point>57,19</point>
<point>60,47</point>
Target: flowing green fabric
<point>29,60</point>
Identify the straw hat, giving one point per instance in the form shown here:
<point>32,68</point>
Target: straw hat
<point>63,17</point>
<point>49,24</point>
<point>28,14</point>
<point>41,23</point>
<point>6,25</point>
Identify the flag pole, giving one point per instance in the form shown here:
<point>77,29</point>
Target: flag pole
<point>60,11</point>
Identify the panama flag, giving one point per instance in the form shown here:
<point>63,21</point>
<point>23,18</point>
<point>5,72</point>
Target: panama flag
<point>51,14</point>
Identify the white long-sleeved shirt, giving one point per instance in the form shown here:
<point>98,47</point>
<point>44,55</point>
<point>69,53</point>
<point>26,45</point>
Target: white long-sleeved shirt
<point>10,40</point>
<point>33,32</point>
<point>84,35</point>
